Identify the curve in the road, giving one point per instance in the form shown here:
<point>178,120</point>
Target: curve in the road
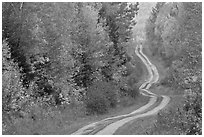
<point>111,128</point>
<point>154,76</point>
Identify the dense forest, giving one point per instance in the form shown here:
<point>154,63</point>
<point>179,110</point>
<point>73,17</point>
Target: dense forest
<point>58,54</point>
<point>174,36</point>
<point>68,64</point>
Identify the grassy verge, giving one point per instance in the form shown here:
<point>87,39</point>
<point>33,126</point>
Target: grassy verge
<point>147,125</point>
<point>137,127</point>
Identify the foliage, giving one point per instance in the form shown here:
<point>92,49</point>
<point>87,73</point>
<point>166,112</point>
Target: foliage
<point>54,52</point>
<point>12,89</point>
<point>187,120</point>
<point>69,36</point>
<point>118,21</point>
<point>14,95</point>
<point>37,121</point>
<point>186,68</point>
<point>40,39</point>
<point>162,30</point>
<point>83,35</point>
<point>100,96</point>
<point>179,27</point>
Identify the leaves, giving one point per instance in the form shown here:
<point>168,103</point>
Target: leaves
<point>179,27</point>
<point>63,48</point>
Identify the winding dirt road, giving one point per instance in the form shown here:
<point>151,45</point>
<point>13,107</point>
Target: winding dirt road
<point>109,125</point>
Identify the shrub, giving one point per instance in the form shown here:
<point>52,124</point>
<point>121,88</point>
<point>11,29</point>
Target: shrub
<point>100,97</point>
<point>185,119</point>
<point>171,122</point>
<point>130,91</point>
<point>96,103</point>
<point>37,121</point>
<point>18,112</point>
<point>134,92</point>
<point>12,89</point>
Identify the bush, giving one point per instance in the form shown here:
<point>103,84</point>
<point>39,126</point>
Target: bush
<point>13,93</point>
<point>100,97</point>
<point>185,119</point>
<point>130,91</point>
<point>171,122</point>
<point>96,103</point>
<point>134,92</point>
<point>18,110</point>
<point>37,121</point>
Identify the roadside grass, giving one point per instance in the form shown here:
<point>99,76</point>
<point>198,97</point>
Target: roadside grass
<point>177,100</point>
<point>134,126</point>
<point>148,125</point>
<point>163,124</point>
<point>163,90</point>
<point>137,127</point>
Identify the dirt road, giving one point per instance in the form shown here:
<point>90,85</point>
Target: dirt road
<point>109,126</point>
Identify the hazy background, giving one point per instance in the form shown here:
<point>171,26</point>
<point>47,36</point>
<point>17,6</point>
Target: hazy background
<point>143,14</point>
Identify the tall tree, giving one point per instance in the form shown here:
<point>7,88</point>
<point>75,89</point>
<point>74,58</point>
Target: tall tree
<point>90,40</point>
<point>118,20</point>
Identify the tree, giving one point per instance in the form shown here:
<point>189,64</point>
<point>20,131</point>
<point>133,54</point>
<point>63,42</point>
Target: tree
<point>12,88</point>
<point>87,41</point>
<point>162,31</point>
<point>63,47</point>
<point>12,27</point>
<point>118,20</point>
<point>181,38</point>
<point>37,32</point>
